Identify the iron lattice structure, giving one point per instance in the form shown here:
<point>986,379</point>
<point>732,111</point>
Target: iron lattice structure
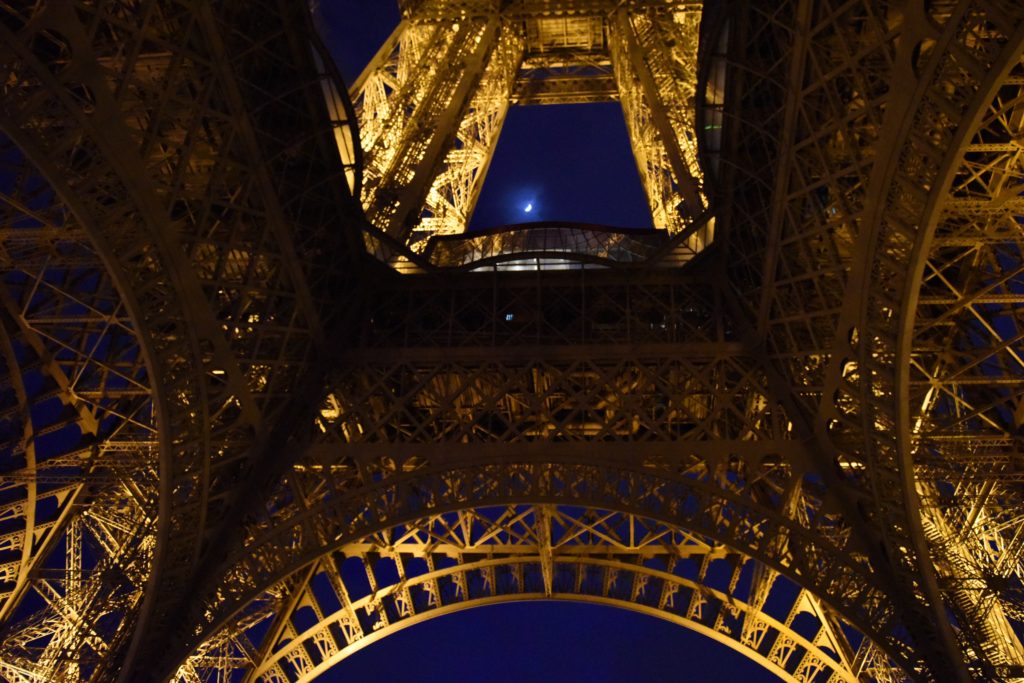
<point>236,445</point>
<point>432,102</point>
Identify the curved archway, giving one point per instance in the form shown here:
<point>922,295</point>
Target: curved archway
<point>389,456</point>
<point>864,220</point>
<point>79,445</point>
<point>447,562</point>
<point>960,372</point>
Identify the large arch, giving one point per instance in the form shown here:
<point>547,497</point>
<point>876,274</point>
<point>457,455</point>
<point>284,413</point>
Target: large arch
<point>783,545</point>
<point>662,414</point>
<point>799,441</point>
<point>373,587</point>
<point>959,371</point>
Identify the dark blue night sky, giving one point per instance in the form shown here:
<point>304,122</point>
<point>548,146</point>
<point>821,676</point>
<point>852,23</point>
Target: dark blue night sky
<point>548,642</point>
<point>571,163</point>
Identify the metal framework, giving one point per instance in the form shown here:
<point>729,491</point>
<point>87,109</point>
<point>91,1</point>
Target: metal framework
<point>221,417</point>
<point>431,104</point>
<point>443,563</point>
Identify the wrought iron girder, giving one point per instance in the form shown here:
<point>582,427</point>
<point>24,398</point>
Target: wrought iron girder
<point>418,96</point>
<point>655,59</point>
<point>566,62</point>
<point>398,413</point>
<point>438,10</point>
<point>437,386</point>
<point>559,89</point>
<point>431,104</point>
<point>605,396</point>
<point>878,386</point>
<point>966,344</point>
<point>545,308</point>
<point>989,648</point>
<point>456,184</point>
<point>78,474</point>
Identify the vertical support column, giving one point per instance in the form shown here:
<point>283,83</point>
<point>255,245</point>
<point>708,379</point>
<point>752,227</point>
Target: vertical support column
<point>456,188</point>
<point>384,86</point>
<point>654,54</point>
<point>411,103</point>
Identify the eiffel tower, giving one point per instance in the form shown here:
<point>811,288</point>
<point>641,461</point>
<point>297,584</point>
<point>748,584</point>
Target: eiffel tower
<point>265,402</point>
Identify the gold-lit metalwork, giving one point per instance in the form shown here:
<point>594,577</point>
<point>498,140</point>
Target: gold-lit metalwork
<point>80,437</point>
<point>448,562</point>
<point>431,103</point>
<point>216,402</point>
<point>144,244</point>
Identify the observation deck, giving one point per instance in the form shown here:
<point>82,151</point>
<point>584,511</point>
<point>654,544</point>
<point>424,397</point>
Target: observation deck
<point>549,245</point>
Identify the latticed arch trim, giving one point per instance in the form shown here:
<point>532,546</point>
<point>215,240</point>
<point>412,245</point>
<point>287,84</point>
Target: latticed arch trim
<point>373,587</point>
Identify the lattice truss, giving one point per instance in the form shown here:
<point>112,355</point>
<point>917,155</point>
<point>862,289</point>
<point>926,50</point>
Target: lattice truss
<point>153,274</point>
<point>382,583</point>
<point>664,416</point>
<point>432,102</point>
<point>878,243</point>
<point>79,449</point>
<point>966,396</point>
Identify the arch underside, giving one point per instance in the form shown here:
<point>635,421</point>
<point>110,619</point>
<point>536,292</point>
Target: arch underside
<point>404,575</point>
<point>899,348</point>
<point>842,417</point>
<point>824,306</point>
<point>663,416</point>
<point>963,381</point>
